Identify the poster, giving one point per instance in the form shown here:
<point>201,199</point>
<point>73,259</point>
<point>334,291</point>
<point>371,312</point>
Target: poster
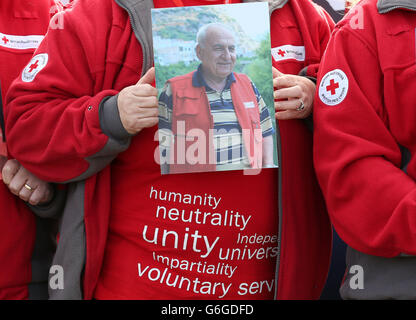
<point>214,76</point>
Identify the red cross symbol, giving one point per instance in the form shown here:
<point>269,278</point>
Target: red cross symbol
<point>332,86</point>
<point>5,40</point>
<point>282,53</point>
<point>34,66</point>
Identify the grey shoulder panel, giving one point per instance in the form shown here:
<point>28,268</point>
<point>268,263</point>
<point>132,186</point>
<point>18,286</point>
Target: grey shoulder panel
<point>384,6</point>
<point>273,4</point>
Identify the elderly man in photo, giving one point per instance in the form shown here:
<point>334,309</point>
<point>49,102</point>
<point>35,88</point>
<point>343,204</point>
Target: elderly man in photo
<point>215,105</point>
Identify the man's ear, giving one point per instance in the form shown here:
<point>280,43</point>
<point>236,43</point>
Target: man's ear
<point>198,51</point>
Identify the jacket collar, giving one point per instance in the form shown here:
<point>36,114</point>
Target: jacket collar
<point>385,6</point>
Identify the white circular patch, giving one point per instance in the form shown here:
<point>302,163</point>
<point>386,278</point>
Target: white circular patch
<point>333,87</point>
<point>37,63</point>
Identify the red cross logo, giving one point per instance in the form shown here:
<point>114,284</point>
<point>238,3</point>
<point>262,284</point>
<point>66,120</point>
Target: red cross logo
<point>34,66</point>
<point>281,52</point>
<point>332,86</point>
<point>5,40</point>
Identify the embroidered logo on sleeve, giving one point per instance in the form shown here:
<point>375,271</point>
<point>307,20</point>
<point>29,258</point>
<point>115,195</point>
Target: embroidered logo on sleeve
<point>20,42</point>
<point>35,65</point>
<point>333,87</point>
<point>288,52</point>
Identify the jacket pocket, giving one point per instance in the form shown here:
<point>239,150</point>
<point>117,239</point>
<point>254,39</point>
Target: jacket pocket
<point>398,46</point>
<point>190,117</point>
<point>186,103</point>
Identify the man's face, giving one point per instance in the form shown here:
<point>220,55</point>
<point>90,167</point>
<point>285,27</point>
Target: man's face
<point>217,53</point>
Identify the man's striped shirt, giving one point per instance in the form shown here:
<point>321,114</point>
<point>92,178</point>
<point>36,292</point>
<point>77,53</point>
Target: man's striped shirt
<point>228,139</point>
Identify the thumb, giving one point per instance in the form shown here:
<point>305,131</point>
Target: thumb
<point>149,77</point>
<point>277,73</point>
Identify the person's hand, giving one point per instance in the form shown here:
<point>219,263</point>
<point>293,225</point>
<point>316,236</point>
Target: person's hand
<point>26,185</point>
<point>138,104</point>
<point>291,91</point>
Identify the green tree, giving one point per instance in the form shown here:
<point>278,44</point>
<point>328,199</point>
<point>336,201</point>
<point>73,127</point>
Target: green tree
<point>260,72</point>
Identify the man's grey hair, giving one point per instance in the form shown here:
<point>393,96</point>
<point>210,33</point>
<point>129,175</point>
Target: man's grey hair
<point>202,32</point>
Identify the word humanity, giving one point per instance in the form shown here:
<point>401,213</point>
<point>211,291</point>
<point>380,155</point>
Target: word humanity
<point>205,200</point>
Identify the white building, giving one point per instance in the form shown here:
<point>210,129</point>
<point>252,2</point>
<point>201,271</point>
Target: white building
<point>171,51</point>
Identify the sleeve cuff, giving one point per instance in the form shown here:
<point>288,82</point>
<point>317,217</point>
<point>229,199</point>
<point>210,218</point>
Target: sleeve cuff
<point>304,73</point>
<point>110,119</point>
<point>53,208</point>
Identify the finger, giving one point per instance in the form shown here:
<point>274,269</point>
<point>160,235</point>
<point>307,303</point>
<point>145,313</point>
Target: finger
<point>40,195</point>
<point>287,115</point>
<point>144,90</point>
<point>18,181</point>
<point>276,73</point>
<point>149,77</point>
<point>146,123</point>
<point>143,113</point>
<point>287,81</point>
<point>9,170</point>
<point>25,193</point>
<point>288,93</point>
<point>146,102</point>
<point>287,105</point>
<point>34,198</point>
<point>48,195</point>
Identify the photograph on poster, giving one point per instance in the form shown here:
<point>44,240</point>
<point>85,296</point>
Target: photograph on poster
<point>214,76</point>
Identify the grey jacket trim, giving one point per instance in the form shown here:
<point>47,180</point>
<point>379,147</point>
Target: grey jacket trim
<point>276,4</point>
<point>139,23</point>
<point>385,6</point>
<point>45,246</point>
<point>102,158</point>
<point>54,208</point>
<point>118,139</point>
<point>303,73</point>
<point>71,252</point>
<point>381,278</point>
<point>110,119</point>
<point>273,4</point>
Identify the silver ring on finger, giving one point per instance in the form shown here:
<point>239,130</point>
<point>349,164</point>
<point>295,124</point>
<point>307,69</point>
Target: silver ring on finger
<point>301,107</point>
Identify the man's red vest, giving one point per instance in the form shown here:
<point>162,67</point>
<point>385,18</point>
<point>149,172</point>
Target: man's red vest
<point>192,120</point>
